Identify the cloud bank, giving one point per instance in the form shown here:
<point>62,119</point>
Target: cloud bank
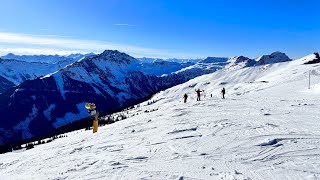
<point>124,25</point>
<point>55,44</point>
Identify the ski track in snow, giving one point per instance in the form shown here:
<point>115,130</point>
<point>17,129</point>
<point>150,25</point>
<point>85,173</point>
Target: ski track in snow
<point>261,131</point>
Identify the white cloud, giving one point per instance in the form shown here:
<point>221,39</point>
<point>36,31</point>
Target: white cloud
<point>32,51</point>
<point>54,44</point>
<point>124,25</point>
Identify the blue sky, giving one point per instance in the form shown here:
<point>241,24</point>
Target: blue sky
<point>169,28</point>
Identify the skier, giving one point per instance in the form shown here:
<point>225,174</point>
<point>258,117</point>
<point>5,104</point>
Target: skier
<point>185,97</point>
<point>223,92</point>
<point>198,94</point>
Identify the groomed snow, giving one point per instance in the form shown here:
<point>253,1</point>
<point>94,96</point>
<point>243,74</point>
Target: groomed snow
<point>266,128</point>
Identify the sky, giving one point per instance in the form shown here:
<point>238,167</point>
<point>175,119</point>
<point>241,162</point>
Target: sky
<point>165,29</point>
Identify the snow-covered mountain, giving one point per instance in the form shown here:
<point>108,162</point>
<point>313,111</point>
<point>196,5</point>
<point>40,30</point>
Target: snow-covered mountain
<point>212,64</point>
<point>15,69</point>
<point>14,72</point>
<point>111,79</point>
<point>78,56</point>
<point>214,60</point>
<point>184,60</point>
<point>239,62</point>
<point>46,58</point>
<point>266,128</point>
<point>205,66</point>
<point>161,67</point>
<point>275,57</point>
<point>150,60</point>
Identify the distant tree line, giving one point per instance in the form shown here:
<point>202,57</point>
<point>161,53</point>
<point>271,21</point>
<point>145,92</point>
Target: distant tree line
<point>28,145</point>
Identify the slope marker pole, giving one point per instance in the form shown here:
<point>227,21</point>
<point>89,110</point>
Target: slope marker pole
<point>309,79</point>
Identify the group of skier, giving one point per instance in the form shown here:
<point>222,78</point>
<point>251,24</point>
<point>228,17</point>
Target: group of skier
<point>198,91</point>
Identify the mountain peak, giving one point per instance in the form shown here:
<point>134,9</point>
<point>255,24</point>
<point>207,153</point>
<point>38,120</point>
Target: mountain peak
<point>275,57</point>
<point>10,54</point>
<point>110,52</point>
<point>277,53</point>
<point>116,56</point>
<point>238,59</point>
<point>238,62</point>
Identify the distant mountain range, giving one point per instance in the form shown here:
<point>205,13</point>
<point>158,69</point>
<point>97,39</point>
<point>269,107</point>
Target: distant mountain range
<point>50,95</point>
<point>46,58</point>
<point>151,60</point>
<point>15,69</point>
<point>14,72</point>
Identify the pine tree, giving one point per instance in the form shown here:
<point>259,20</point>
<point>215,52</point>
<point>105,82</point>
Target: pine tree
<point>29,146</point>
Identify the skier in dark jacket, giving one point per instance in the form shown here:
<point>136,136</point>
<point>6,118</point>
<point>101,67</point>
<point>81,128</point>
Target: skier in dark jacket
<point>185,97</point>
<point>223,92</point>
<point>198,94</point>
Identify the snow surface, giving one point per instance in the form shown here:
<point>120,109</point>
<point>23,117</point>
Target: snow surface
<point>59,82</point>
<point>266,128</point>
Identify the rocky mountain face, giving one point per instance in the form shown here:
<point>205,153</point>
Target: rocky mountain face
<point>5,84</point>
